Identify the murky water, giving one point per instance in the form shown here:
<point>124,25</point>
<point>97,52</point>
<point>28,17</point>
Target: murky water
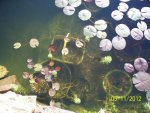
<point>21,20</point>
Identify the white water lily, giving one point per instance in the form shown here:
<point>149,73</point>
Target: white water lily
<point>119,43</point>
<point>102,110</point>
<point>79,43</point>
<point>142,25</point>
<point>84,14</point>
<point>136,34</point>
<point>89,31</point>
<point>37,67</point>
<point>100,24</point>
<point>34,42</point>
<point>69,10</point>
<point>61,3</point>
<point>101,34</point>
<point>145,11</point>
<point>17,45</point>
<point>56,86</point>
<point>134,14</point>
<point>147,34</point>
<point>75,3</point>
<point>117,15</point>
<point>102,3</point>
<point>123,7</point>
<point>105,45</point>
<point>122,30</point>
<point>65,51</point>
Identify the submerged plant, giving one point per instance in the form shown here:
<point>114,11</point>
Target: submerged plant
<point>106,60</point>
<point>3,71</point>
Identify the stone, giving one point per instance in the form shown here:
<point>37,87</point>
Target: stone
<point>6,83</point>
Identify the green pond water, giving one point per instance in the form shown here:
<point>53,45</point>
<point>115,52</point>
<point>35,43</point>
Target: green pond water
<point>21,20</point>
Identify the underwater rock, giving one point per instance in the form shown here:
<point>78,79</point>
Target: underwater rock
<point>6,83</point>
<point>3,71</point>
<point>11,102</point>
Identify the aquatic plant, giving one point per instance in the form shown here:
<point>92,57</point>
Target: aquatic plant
<point>19,89</point>
<point>141,81</point>
<point>34,43</point>
<point>17,45</point>
<point>106,60</point>
<point>3,71</point>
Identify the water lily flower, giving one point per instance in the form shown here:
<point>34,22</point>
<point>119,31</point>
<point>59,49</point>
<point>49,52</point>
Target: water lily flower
<point>65,51</point>
<point>75,3</point>
<point>79,43</point>
<point>122,30</point>
<point>51,63</point>
<point>123,7</point>
<point>136,34</point>
<point>52,92</point>
<point>77,100</point>
<point>56,86</point>
<point>34,43</point>
<point>140,64</point>
<point>105,45</point>
<point>89,31</point>
<point>30,64</point>
<point>57,68</point>
<point>147,34</point>
<point>52,48</point>
<point>134,14</point>
<point>54,72</point>
<point>37,67</point>
<point>119,43</point>
<point>84,14</point>
<point>17,45</point>
<point>100,24</point>
<point>117,15</point>
<point>45,71</point>
<point>25,75</point>
<point>69,10</point>
<point>50,55</point>
<point>102,110</point>
<point>102,3</point>
<point>145,12</point>
<point>29,60</point>
<point>142,25</point>
<point>48,78</point>
<point>101,34</point>
<point>61,3</point>
<point>128,67</point>
<point>32,81</point>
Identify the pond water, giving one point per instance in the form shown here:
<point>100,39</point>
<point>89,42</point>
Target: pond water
<point>87,74</point>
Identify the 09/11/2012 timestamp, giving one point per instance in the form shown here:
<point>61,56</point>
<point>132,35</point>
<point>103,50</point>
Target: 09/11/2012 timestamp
<point>125,98</point>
